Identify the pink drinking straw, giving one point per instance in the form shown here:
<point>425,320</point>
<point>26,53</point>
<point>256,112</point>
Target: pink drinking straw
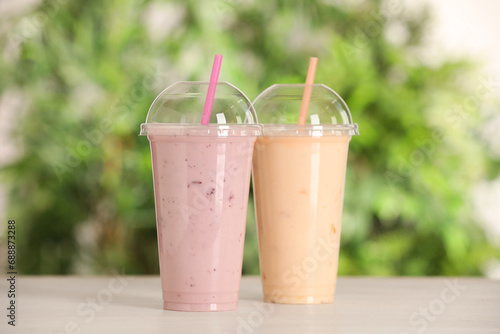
<point>313,62</point>
<point>209,102</point>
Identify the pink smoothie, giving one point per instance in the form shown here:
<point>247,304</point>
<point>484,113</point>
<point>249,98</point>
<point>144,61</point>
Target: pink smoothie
<point>201,192</point>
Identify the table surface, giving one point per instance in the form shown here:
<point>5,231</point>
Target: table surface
<point>131,304</point>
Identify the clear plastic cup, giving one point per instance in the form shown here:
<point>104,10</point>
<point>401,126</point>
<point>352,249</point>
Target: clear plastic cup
<point>298,183</point>
<point>201,179</point>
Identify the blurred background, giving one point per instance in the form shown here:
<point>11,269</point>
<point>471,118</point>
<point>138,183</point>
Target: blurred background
<point>422,80</point>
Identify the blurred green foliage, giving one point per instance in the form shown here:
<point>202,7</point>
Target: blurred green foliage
<point>82,192</point>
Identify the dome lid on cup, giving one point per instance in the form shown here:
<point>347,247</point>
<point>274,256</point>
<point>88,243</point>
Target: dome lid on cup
<point>278,108</point>
<point>180,106</point>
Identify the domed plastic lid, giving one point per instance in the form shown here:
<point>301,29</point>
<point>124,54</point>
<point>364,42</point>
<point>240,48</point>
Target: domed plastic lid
<point>278,108</point>
<point>179,108</point>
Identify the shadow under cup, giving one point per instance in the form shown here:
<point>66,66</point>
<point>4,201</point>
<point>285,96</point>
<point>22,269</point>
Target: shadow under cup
<point>201,185</point>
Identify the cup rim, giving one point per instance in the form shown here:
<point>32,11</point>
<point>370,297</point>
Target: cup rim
<point>309,130</point>
<point>199,130</point>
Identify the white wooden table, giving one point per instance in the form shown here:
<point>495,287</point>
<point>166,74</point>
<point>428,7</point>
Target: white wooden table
<point>128,304</point>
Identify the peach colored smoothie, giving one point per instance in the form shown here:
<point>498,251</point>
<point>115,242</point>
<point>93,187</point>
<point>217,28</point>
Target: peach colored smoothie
<point>299,188</point>
<point>201,192</point>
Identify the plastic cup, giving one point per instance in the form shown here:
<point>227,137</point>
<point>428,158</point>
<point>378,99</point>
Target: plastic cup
<point>298,183</point>
<point>201,177</point>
